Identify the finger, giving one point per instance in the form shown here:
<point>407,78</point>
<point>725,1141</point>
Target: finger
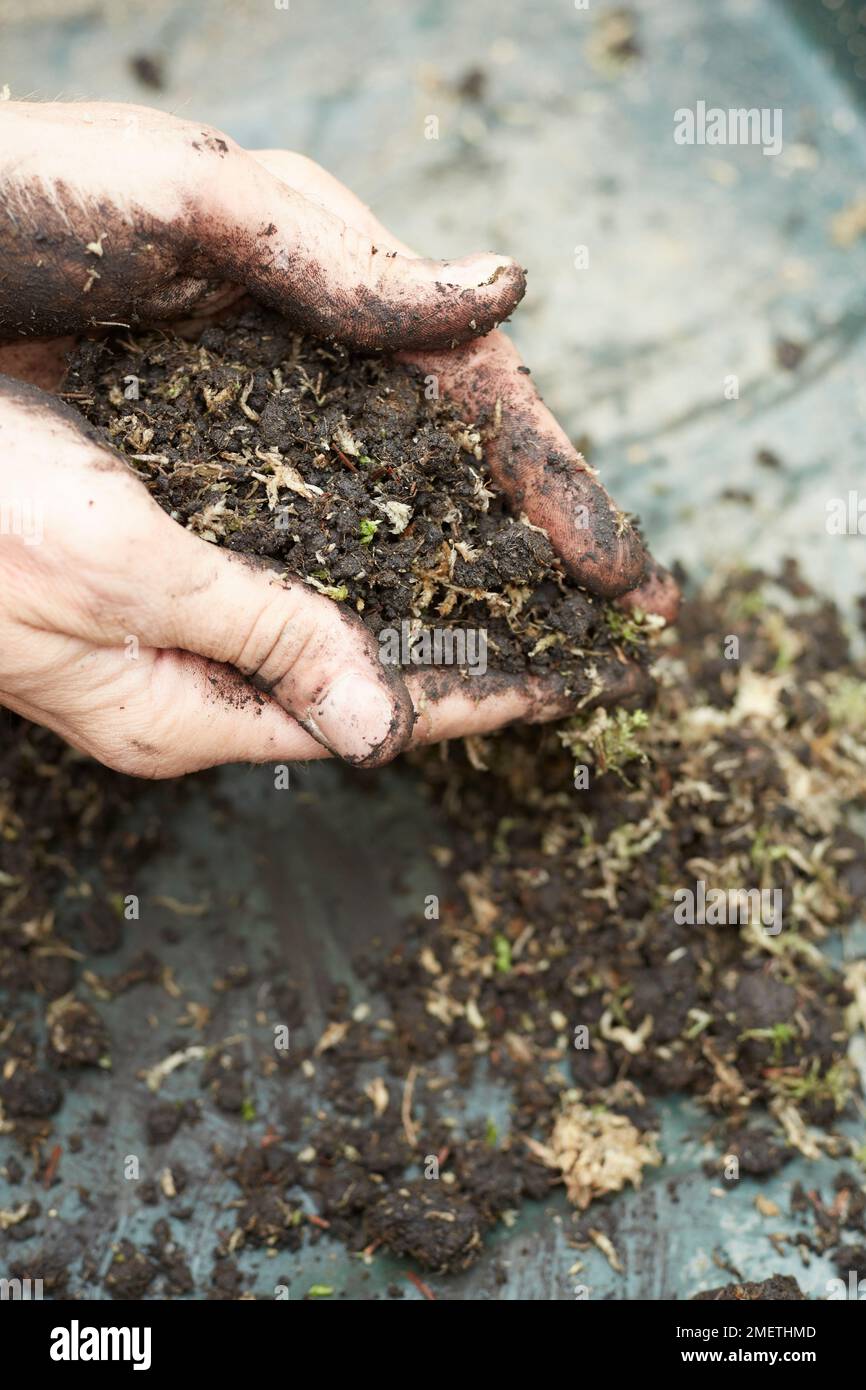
<point>658,592</point>
<point>313,655</point>
<point>164,714</point>
<point>200,714</point>
<point>153,584</point>
<point>331,278</point>
<point>449,705</point>
<point>532,460</point>
<point>37,361</point>
<point>530,456</point>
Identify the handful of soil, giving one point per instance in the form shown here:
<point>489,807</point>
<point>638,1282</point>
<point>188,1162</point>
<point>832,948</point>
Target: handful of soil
<point>338,468</point>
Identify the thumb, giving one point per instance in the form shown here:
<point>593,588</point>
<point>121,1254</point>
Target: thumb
<point>332,280</point>
<point>312,655</point>
<point>115,567</point>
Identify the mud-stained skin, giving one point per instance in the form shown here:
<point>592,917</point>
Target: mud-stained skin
<point>544,477</point>
<point>166,215</point>
<point>538,470</point>
<point>68,268</point>
<point>444,698</point>
<point>55,282</point>
<point>41,402</point>
<point>164,228</point>
<point>359,315</point>
<point>227,686</point>
<point>658,592</point>
<point>96,246</point>
<point>399,733</point>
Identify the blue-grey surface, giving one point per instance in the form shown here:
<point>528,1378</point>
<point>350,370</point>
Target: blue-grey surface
<point>700,258</point>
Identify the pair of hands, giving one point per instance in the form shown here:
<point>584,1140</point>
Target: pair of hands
<point>131,637</point>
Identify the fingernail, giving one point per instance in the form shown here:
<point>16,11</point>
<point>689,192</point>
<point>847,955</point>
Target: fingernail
<point>476,272</point>
<point>354,717</point>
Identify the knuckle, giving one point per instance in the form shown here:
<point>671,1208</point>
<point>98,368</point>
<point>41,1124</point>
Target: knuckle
<point>297,639</point>
<point>265,649</point>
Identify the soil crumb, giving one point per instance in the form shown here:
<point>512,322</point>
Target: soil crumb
<point>778,1288</point>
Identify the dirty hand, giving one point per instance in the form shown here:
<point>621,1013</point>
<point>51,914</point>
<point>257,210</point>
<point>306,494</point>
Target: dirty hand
<point>529,454</point>
<point>125,633</point>
<point>127,638</point>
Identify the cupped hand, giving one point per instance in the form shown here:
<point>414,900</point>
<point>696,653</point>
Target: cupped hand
<point>120,214</point>
<point>127,634</point>
<point>158,653</point>
<point>528,452</point>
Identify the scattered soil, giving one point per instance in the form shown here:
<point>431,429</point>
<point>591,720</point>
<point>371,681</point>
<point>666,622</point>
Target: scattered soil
<point>131,1273</point>
<point>834,1224</point>
<point>559,963</point>
<point>555,969</point>
<point>414,1221</point>
<point>758,1152</point>
<point>560,921</point>
<point>778,1288</point>
<point>60,829</point>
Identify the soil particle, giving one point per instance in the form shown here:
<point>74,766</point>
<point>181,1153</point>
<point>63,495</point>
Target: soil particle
<point>131,1273</point>
<point>224,1074</point>
<point>163,1121</point>
<point>149,71</point>
<point>51,1263</point>
<point>789,354</point>
<point>439,1230</point>
<point>77,1036</point>
<point>779,1288</point>
<point>30,1094</point>
<point>227,1281</point>
<point>267,1219</point>
<point>171,1261</point>
<point>759,1152</point>
<point>52,975</point>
